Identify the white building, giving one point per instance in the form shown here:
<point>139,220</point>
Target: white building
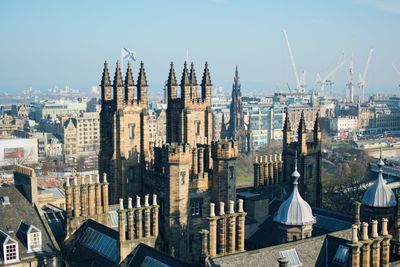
<point>343,124</point>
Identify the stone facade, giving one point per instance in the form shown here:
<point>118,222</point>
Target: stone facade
<point>308,156</point>
<point>188,172</point>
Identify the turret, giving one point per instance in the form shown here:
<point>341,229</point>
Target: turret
<point>193,82</point>
<point>302,135</point>
<point>129,85</point>
<point>142,86</point>
<point>118,86</point>
<point>185,85</point>
<point>206,85</point>
<point>286,130</point>
<point>317,130</point>
<point>105,85</point>
<point>171,83</point>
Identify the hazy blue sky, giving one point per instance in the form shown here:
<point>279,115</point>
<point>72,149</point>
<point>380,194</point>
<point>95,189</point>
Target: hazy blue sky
<point>49,43</point>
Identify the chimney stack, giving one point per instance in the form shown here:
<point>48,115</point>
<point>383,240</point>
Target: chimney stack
<point>138,218</point>
<point>241,226</point>
<point>146,216</point>
<point>76,198</point>
<point>155,215</point>
<point>231,227</point>
<point>385,252</point>
<point>121,221</point>
<point>91,197</point>
<point>222,229</point>
<point>105,194</point>
<point>83,197</point>
<point>131,226</point>
<point>365,250</point>
<point>213,231</point>
<point>98,196</point>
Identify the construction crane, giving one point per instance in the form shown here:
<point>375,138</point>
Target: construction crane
<point>396,70</point>
<point>327,80</point>
<point>350,80</point>
<point>361,79</point>
<point>300,82</point>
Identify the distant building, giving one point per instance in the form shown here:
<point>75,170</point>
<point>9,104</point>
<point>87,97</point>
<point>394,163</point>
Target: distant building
<point>81,135</point>
<point>20,111</point>
<point>57,108</point>
<point>343,124</point>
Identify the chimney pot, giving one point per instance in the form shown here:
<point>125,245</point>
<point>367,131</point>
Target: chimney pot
<point>121,203</point>
<point>212,210</point>
<point>231,207</point>
<point>129,202</point>
<point>365,231</point>
<point>374,232</point>
<point>146,200</point>
<point>155,199</point>
<point>240,209</point>
<point>137,201</point>
<point>221,208</point>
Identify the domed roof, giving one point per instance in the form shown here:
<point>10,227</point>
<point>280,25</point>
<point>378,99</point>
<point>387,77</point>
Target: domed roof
<point>295,210</point>
<point>379,194</point>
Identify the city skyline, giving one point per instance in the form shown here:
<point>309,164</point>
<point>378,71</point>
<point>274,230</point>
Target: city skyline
<point>71,42</point>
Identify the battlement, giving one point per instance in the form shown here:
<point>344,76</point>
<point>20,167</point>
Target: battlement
<point>224,149</point>
<point>176,152</point>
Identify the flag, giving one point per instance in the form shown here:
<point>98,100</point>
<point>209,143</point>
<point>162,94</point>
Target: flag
<point>127,54</point>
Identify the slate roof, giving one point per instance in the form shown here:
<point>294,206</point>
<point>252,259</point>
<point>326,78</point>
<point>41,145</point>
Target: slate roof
<point>80,254</point>
<point>315,251</point>
<point>144,255</point>
<point>18,210</point>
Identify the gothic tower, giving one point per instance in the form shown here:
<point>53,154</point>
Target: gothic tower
<point>309,159</point>
<point>124,147</point>
<point>237,129</point>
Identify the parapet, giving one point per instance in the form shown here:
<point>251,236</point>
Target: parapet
<point>176,152</point>
<point>224,149</point>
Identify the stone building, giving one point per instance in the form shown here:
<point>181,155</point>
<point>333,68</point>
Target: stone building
<point>309,157</point>
<point>236,128</point>
<point>188,173</point>
<point>80,135</point>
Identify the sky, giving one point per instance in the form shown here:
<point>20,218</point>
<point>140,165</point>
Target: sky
<point>51,43</point>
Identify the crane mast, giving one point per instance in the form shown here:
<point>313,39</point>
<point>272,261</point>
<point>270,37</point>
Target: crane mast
<point>300,84</point>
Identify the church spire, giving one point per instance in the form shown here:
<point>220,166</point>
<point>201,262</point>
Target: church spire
<point>185,86</point>
<point>129,84</point>
<point>302,135</point>
<point>118,76</point>
<point>302,124</point>
<point>286,125</point>
<point>185,81</point>
<point>236,84</point>
<point>206,84</point>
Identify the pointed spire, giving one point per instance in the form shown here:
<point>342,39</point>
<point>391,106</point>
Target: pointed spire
<point>118,76</point>
<point>316,123</point>
<point>171,76</point>
<point>206,80</point>
<point>185,76</point>
<point>105,80</point>
<point>286,125</point>
<point>129,76</point>
<point>295,174</point>
<point>302,124</point>
<point>380,162</point>
<point>236,84</point>
<point>192,75</point>
<point>142,80</point>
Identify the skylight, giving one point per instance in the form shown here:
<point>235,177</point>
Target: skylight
<point>341,255</point>
<point>292,257</point>
<point>100,243</point>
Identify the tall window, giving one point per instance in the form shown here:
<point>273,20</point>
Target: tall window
<point>11,252</point>
<point>197,127</point>
<point>132,131</point>
<point>35,241</point>
<point>195,207</point>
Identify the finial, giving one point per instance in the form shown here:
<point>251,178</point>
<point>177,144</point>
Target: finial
<point>295,174</point>
<point>380,163</point>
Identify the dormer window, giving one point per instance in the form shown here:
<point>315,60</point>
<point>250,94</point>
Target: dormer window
<point>9,248</point>
<point>30,236</point>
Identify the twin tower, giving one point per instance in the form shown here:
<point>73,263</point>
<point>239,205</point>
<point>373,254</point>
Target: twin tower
<point>188,173</point>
